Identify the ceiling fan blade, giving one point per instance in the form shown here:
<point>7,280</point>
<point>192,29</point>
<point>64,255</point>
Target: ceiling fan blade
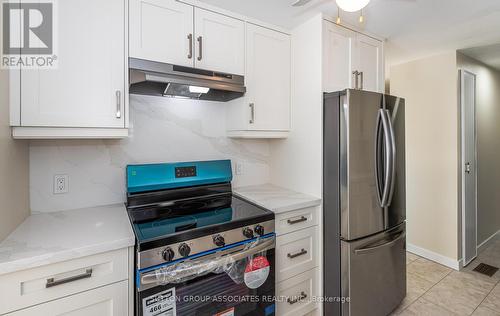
<point>300,3</point>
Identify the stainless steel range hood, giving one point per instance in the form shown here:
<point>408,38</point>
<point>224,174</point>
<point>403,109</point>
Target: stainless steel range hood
<point>160,79</point>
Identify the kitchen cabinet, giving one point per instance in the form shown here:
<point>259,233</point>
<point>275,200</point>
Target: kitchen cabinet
<point>265,109</point>
<point>110,300</point>
<point>176,33</point>
<point>162,30</point>
<point>298,251</point>
<point>351,60</point>
<point>86,94</point>
<point>220,42</point>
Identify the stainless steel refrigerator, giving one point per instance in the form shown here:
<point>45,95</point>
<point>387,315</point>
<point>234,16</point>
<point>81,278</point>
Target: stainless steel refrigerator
<point>364,203</point>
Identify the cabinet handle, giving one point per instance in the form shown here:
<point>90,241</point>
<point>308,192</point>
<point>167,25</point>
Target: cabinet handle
<point>296,221</point>
<point>298,299</point>
<point>298,254</point>
<point>190,38</point>
<point>362,80</point>
<point>118,104</point>
<point>200,41</point>
<point>252,113</point>
<point>51,282</point>
<point>355,74</point>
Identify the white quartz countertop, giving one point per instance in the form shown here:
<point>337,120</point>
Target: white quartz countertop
<point>47,238</point>
<point>276,199</point>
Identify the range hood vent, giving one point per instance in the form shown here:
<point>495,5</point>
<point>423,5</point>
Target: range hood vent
<point>160,79</point>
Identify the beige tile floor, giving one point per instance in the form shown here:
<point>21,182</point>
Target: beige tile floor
<point>433,289</point>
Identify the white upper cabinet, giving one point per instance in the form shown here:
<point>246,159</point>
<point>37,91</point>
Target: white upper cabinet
<point>88,88</point>
<point>219,42</point>
<point>338,45</point>
<point>265,110</point>
<point>171,32</point>
<point>351,60</point>
<point>162,30</point>
<point>368,61</point>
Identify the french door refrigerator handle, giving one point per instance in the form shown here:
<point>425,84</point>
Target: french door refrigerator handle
<point>392,157</point>
<point>369,249</point>
<point>377,157</point>
<point>388,160</point>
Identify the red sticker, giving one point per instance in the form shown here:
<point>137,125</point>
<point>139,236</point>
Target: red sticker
<point>256,272</point>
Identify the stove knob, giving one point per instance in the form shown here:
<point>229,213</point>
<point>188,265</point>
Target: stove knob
<point>247,232</point>
<point>259,229</point>
<point>168,254</point>
<point>184,250</point>
<point>219,241</point>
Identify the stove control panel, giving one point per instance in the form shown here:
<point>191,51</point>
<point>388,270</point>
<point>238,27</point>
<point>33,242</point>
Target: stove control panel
<point>190,247</point>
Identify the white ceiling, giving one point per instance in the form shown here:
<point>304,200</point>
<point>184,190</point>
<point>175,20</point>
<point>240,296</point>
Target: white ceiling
<point>490,55</point>
<point>413,28</point>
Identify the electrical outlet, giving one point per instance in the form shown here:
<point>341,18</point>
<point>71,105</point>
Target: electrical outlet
<point>239,168</point>
<point>61,183</point>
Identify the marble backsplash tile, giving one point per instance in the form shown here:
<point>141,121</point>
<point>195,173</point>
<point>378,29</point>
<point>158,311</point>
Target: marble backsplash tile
<point>162,130</point>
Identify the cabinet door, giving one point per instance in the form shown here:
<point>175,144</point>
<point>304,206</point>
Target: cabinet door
<point>110,300</point>
<point>162,30</point>
<point>87,89</point>
<point>337,57</point>
<point>220,42</point>
<point>268,79</point>
<point>368,57</point>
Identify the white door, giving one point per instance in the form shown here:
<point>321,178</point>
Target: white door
<point>268,79</point>
<point>337,57</point>
<point>162,30</point>
<point>87,88</point>
<point>368,61</point>
<point>220,42</point>
<point>469,166</point>
<point>110,300</point>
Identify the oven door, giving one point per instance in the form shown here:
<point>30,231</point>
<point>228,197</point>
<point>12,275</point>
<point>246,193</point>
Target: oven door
<point>236,280</point>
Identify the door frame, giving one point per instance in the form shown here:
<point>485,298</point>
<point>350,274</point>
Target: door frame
<point>463,195</point>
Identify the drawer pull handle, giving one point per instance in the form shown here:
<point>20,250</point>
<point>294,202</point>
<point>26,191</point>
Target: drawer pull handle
<point>51,282</point>
<point>298,254</point>
<point>296,221</point>
<point>298,299</point>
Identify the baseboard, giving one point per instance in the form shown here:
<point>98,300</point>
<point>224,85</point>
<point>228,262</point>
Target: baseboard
<point>487,242</point>
<point>427,254</point>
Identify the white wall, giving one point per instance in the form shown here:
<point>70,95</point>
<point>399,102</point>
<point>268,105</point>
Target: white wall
<point>429,87</point>
<point>14,169</point>
<point>297,161</point>
<point>488,145</point>
<point>162,130</point>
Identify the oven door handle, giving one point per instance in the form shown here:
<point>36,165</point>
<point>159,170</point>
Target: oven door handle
<point>166,278</point>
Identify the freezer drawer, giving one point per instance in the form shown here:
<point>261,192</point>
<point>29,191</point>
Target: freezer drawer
<point>374,273</point>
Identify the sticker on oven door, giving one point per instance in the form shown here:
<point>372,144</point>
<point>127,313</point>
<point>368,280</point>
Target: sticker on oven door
<point>160,304</point>
<point>227,312</point>
<point>256,272</point>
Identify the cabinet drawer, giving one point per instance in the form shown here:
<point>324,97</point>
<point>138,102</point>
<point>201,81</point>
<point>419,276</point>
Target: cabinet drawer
<point>296,252</point>
<point>109,300</point>
<point>38,285</point>
<point>304,285</point>
<point>295,220</point>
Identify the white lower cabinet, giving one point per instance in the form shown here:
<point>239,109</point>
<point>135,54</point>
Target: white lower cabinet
<point>110,300</point>
<point>298,262</point>
<point>92,285</point>
<point>296,295</point>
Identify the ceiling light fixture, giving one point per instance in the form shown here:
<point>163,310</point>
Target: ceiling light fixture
<point>361,17</point>
<point>338,21</point>
<point>352,5</point>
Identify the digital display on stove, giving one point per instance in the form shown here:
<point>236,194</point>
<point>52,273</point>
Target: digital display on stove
<point>185,172</point>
